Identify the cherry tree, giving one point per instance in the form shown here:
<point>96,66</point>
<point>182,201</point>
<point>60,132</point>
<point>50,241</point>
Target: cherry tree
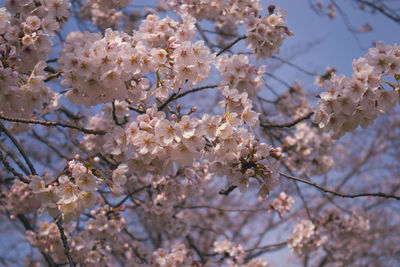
<point>151,136</point>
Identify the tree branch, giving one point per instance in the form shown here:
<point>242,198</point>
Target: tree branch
<point>64,241</point>
<point>231,44</point>
<point>12,170</point>
<point>53,124</point>
<point>115,116</point>
<point>19,147</point>
<point>378,194</point>
<point>228,190</point>
<point>288,124</point>
<point>176,96</point>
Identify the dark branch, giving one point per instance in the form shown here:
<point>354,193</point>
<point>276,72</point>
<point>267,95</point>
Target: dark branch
<point>231,44</point>
<point>53,124</point>
<point>378,194</point>
<point>228,190</point>
<point>176,96</point>
<point>12,170</point>
<point>115,116</point>
<point>19,147</point>
<point>64,241</point>
<point>288,124</point>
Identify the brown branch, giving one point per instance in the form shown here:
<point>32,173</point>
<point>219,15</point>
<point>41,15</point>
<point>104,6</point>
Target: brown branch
<point>231,44</point>
<point>288,124</point>
<point>19,147</point>
<point>268,247</point>
<point>115,116</point>
<point>323,189</point>
<point>221,209</point>
<point>64,241</point>
<point>53,76</point>
<point>52,124</point>
<point>195,248</point>
<point>14,157</point>
<point>137,110</point>
<point>228,190</point>
<point>381,10</point>
<point>176,96</point>
<point>131,194</point>
<point>52,147</point>
<point>204,36</point>
<point>12,170</point>
<point>294,66</point>
<point>263,250</point>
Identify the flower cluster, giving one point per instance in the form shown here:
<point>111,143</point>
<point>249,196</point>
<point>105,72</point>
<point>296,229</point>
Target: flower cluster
<point>293,103</point>
<point>29,28</point>
<point>229,248</point>
<point>25,28</point>
<point>158,217</point>
<point>237,253</point>
<point>177,256</point>
<point>309,150</point>
<point>347,226</point>
<point>105,223</point>
<point>350,102</point>
<point>90,247</point>
<point>283,203</point>
<point>203,9</point>
<point>75,189</point>
<point>186,182</point>
<point>20,199</point>
<point>23,95</point>
<point>48,239</point>
<point>306,238</point>
<point>237,72</point>
<point>103,12</point>
<point>112,67</point>
<point>226,142</point>
<point>266,34</point>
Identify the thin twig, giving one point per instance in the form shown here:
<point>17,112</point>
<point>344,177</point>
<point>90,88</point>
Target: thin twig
<point>221,209</point>
<point>53,76</point>
<point>12,170</point>
<point>176,96</point>
<point>19,147</point>
<point>228,190</point>
<point>195,248</point>
<point>231,44</point>
<point>15,158</point>
<point>53,124</point>
<point>131,194</point>
<point>294,66</point>
<point>268,247</point>
<point>115,116</point>
<point>395,18</point>
<point>205,38</point>
<point>378,194</point>
<point>64,241</point>
<point>52,147</point>
<point>288,124</point>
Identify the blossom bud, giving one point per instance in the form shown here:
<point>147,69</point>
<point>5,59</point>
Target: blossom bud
<point>276,153</point>
<point>288,32</point>
<point>271,9</point>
